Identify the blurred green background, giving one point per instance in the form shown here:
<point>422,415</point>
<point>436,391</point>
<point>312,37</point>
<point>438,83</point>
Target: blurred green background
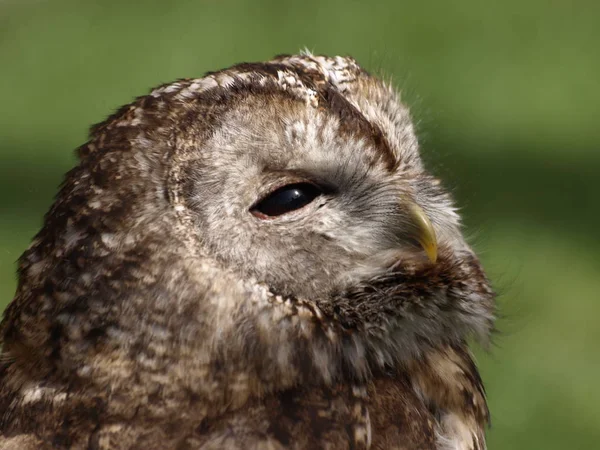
<point>506,96</point>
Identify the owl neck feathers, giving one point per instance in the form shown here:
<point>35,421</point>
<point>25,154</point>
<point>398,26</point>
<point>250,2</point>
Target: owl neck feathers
<point>411,323</point>
<point>228,342</point>
<point>393,318</point>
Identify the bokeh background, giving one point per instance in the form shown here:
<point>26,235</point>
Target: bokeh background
<point>506,95</point>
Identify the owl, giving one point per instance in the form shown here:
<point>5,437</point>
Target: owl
<point>255,259</point>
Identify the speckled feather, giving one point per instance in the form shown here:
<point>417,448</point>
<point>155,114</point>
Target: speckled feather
<point>154,311</point>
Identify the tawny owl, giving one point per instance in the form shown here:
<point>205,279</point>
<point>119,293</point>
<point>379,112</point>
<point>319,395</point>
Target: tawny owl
<point>256,259</point>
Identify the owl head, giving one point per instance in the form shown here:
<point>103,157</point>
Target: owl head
<point>265,225</point>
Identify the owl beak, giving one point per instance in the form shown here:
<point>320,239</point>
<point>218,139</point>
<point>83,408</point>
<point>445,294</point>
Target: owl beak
<point>424,232</point>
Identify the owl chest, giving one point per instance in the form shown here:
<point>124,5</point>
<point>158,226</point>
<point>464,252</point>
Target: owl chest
<point>399,418</point>
<point>387,415</point>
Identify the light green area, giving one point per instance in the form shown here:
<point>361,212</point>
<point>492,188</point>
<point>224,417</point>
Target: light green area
<point>506,95</point>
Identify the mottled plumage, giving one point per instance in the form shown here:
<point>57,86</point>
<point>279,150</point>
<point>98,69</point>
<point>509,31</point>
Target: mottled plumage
<point>159,307</point>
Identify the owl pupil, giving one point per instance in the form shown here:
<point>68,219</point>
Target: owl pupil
<point>286,199</point>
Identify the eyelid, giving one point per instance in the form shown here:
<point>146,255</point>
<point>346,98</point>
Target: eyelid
<point>276,179</point>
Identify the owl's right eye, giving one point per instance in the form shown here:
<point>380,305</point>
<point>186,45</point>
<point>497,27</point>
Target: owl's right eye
<point>286,199</point>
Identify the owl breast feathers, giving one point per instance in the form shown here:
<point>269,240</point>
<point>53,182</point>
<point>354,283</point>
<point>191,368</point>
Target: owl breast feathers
<point>256,259</point>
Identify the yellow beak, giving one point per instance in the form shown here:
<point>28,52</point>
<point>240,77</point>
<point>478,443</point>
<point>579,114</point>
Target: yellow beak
<point>424,232</point>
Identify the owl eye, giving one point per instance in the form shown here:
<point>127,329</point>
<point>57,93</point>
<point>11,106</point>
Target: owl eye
<point>286,199</point>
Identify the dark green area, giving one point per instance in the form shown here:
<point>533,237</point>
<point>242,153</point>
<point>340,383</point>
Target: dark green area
<point>506,96</point>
